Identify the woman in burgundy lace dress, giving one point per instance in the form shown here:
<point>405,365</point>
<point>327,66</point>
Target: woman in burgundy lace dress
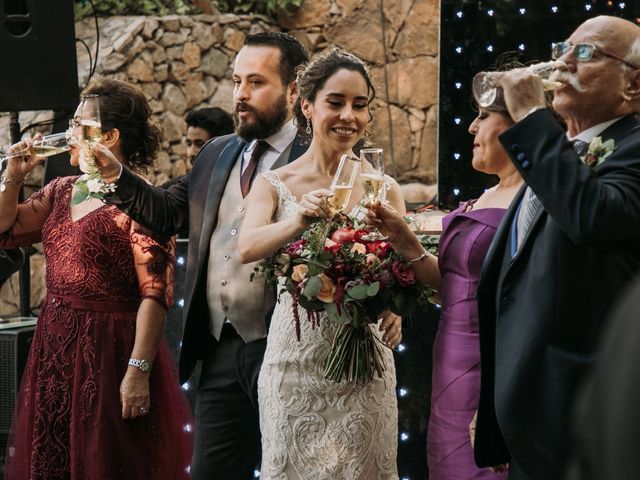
<point>85,410</point>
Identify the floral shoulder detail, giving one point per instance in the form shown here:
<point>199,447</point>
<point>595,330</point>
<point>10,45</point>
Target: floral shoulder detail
<point>91,185</point>
<point>598,151</point>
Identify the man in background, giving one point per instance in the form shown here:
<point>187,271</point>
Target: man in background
<point>203,125</point>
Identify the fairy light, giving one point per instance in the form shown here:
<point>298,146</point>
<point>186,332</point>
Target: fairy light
<point>459,14</point>
<point>457,120</point>
<point>489,48</point>
<point>554,8</point>
<point>587,7</point>
<point>401,347</point>
<point>456,155</point>
<point>522,11</point>
<point>404,437</point>
<point>187,427</point>
<point>186,386</point>
<point>403,392</point>
<point>458,85</point>
<point>458,50</point>
<point>521,47</point>
<point>456,191</point>
<point>180,260</point>
<point>490,12</point>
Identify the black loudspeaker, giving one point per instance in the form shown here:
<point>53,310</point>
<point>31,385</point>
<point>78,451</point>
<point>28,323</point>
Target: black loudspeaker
<point>37,55</point>
<point>14,348</point>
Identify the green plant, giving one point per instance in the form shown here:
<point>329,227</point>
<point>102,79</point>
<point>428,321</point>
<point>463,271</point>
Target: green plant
<point>84,9</point>
<point>266,7</point>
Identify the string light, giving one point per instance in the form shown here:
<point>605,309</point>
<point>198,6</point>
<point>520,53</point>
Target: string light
<point>554,9</point>
<point>622,5</point>
<point>457,120</point>
<point>180,260</point>
<point>490,12</point>
<point>521,47</point>
<point>456,191</point>
<point>187,427</point>
<point>256,474</point>
<point>404,437</point>
<point>458,85</point>
<point>458,49</point>
<point>186,386</point>
<point>180,302</point>
<point>587,7</point>
<point>402,392</point>
<point>401,347</point>
<point>522,11</point>
<point>489,48</point>
<point>459,14</point>
<point>456,156</point>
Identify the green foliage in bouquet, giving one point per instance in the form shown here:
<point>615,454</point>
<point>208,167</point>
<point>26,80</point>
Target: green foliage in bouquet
<point>351,280</point>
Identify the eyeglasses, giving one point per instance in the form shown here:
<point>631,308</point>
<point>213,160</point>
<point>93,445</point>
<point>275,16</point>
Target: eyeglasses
<point>583,52</point>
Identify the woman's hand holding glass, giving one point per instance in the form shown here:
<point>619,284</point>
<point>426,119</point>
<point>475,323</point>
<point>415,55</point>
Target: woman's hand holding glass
<point>387,220</point>
<point>312,207</point>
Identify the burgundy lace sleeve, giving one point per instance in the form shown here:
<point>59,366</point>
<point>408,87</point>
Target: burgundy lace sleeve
<point>32,213</point>
<point>154,259</point>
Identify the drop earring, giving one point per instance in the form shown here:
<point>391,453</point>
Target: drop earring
<point>308,129</point>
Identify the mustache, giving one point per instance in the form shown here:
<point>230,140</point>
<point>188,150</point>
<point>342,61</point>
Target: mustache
<point>567,78</point>
<point>245,107</point>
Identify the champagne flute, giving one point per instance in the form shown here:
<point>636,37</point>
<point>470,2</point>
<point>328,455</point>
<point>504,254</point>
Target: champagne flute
<point>373,184</point>
<point>342,183</point>
<point>46,146</point>
<point>90,126</point>
<point>487,92</point>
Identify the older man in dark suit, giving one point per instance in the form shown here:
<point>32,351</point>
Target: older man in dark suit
<point>567,246</point>
<point>225,314</point>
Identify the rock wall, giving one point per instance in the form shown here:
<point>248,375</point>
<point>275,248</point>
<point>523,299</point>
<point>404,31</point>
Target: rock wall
<point>184,63</point>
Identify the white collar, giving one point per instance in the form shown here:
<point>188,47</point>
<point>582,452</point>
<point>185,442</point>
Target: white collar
<point>592,132</point>
<point>279,140</point>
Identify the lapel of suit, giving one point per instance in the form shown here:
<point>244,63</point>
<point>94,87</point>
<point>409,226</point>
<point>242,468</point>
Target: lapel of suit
<point>296,148</point>
<point>616,131</point>
<point>219,177</point>
<point>492,264</point>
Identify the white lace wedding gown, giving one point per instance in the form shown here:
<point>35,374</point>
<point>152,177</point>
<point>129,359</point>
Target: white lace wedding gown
<point>316,429</point>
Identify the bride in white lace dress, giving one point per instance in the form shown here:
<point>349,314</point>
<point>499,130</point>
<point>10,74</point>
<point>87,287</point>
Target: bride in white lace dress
<point>315,429</point>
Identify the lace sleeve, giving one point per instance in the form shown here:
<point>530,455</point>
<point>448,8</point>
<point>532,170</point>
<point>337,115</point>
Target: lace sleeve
<point>32,213</point>
<point>154,258</point>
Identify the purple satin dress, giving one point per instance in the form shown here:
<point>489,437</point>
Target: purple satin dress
<point>456,352</point>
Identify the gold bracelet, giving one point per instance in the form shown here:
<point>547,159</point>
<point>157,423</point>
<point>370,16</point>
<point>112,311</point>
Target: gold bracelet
<point>4,181</point>
<point>421,257</point>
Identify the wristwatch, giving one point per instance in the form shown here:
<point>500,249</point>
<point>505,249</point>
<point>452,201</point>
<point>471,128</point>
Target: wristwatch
<point>143,365</point>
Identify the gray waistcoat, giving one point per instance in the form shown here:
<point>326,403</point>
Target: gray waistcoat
<point>230,294</point>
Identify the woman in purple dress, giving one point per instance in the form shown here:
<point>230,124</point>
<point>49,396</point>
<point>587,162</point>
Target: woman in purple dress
<point>467,233</point>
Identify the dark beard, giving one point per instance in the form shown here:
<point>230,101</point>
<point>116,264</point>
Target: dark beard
<point>265,123</point>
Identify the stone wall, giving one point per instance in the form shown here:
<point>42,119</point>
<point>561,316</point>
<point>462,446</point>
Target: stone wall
<point>185,63</point>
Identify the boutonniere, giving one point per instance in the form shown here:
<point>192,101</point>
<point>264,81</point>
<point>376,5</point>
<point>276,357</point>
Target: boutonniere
<point>598,151</point>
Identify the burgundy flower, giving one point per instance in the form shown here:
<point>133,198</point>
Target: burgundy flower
<point>403,273</point>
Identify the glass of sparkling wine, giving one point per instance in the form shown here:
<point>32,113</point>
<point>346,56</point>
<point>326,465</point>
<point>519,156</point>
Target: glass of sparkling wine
<point>487,92</point>
<point>46,146</point>
<point>342,183</point>
<point>90,127</point>
<point>373,183</point>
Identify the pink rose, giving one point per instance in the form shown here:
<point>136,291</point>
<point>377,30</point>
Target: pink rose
<point>403,273</point>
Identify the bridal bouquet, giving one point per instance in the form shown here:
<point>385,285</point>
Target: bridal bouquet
<point>332,269</point>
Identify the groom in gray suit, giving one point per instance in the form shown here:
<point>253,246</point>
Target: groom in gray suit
<point>225,314</point>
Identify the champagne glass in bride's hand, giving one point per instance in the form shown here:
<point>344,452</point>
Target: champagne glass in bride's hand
<point>342,183</point>
<point>373,184</point>
<point>487,92</point>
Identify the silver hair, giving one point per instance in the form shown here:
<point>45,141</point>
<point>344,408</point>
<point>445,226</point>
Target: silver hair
<point>633,56</point>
